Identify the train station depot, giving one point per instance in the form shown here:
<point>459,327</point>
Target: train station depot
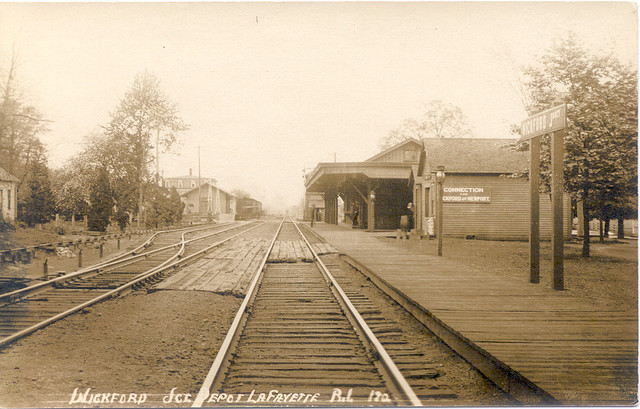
<point>482,199</point>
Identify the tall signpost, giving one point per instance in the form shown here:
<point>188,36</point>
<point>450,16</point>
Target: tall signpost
<point>554,121</point>
<point>440,175</point>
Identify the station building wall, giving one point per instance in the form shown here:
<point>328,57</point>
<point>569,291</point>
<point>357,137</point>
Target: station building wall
<point>504,217</point>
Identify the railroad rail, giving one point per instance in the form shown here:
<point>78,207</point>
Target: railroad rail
<point>29,309</point>
<point>297,339</point>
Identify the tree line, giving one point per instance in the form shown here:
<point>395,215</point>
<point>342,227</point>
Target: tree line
<point>111,180</point>
<point>601,140</point>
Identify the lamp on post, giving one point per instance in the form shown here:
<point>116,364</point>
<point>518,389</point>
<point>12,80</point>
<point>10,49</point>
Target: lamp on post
<point>371,220</point>
<point>440,176</point>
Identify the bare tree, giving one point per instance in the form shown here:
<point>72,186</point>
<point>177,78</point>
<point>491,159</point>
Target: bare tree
<point>20,126</point>
<point>440,120</point>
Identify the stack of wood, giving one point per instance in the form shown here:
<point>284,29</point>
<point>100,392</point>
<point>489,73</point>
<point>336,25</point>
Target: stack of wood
<point>290,252</point>
<point>323,248</point>
<point>227,269</point>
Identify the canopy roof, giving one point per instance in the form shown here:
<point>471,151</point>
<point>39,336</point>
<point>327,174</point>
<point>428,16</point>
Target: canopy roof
<point>332,173</point>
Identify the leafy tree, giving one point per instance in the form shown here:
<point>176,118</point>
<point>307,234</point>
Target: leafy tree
<point>100,202</point>
<point>101,151</point>
<point>143,112</point>
<point>176,206</point>
<point>164,206</point>
<point>440,120</point>
<point>601,142</point>
<point>71,190</point>
<point>35,198</point>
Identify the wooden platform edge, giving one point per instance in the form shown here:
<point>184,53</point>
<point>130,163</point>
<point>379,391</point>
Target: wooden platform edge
<point>509,380</point>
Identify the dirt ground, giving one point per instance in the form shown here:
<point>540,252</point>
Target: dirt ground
<point>143,342</point>
<point>609,277</point>
<point>147,342</point>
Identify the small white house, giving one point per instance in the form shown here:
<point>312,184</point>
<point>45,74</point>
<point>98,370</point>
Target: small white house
<point>8,195</point>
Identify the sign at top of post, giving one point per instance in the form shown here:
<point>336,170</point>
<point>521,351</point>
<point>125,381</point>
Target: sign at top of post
<point>544,122</point>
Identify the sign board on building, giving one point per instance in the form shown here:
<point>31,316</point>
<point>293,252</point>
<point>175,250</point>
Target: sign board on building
<point>410,156</point>
<point>544,122</point>
<point>466,195</point>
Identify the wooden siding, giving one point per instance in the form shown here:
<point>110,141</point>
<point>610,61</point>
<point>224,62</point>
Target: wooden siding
<point>398,155</point>
<point>506,217</point>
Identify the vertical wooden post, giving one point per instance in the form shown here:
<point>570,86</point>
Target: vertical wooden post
<point>439,216</point>
<point>557,181</point>
<point>371,218</point>
<point>534,213</point>
<point>313,214</point>
<point>80,258</point>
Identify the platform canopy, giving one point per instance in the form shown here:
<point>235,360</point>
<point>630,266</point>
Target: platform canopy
<point>331,175</point>
<point>354,182</point>
<point>386,174</point>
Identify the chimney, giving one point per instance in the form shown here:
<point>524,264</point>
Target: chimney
<point>190,172</point>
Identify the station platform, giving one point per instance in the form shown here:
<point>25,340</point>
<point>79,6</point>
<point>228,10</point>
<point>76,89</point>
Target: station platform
<point>540,345</point>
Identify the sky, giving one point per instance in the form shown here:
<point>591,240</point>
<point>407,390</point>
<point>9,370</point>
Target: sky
<point>272,89</point>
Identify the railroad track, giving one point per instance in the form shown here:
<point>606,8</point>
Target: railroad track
<point>297,340</point>
<point>29,309</point>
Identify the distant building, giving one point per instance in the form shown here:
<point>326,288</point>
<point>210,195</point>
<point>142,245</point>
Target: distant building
<point>8,189</point>
<point>186,183</point>
<point>247,208</point>
<point>207,199</point>
<point>313,201</point>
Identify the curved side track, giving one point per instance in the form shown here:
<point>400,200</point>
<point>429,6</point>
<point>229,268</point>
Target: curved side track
<point>29,309</point>
<point>298,340</point>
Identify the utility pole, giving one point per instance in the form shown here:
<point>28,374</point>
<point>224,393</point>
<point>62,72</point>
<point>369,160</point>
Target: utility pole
<point>199,187</point>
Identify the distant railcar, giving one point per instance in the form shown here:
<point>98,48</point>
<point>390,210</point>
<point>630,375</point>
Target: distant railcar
<point>248,208</point>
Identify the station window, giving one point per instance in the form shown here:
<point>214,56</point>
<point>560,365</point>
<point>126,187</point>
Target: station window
<point>193,183</point>
<point>179,183</point>
<point>167,184</point>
